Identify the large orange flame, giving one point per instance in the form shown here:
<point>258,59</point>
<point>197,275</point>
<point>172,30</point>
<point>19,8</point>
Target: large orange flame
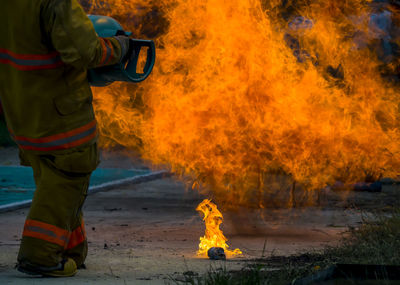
<point>247,87</point>
<point>213,235</point>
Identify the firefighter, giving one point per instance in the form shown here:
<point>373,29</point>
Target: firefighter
<point>46,47</point>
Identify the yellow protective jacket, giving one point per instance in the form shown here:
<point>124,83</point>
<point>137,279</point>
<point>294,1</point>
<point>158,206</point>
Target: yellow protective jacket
<point>46,47</point>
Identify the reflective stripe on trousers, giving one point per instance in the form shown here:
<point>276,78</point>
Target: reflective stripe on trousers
<point>77,237</point>
<point>53,234</point>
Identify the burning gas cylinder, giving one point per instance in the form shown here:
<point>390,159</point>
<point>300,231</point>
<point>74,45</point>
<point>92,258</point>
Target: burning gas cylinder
<point>213,242</point>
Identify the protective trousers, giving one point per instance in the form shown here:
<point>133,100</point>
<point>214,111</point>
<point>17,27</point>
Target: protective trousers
<point>54,227</point>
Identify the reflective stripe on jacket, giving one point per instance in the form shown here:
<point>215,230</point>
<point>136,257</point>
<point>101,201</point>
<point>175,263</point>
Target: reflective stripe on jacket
<point>46,47</point>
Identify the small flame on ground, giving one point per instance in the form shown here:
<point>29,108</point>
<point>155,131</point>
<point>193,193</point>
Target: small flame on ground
<point>213,236</point>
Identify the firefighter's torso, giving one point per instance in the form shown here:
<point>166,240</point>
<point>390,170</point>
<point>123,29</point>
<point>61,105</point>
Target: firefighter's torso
<point>47,103</point>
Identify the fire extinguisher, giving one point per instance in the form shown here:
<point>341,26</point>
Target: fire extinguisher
<point>125,71</point>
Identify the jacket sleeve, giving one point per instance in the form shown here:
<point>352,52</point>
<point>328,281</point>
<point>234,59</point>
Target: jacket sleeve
<point>72,34</point>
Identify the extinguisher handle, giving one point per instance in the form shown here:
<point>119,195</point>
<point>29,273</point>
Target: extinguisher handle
<point>131,67</point>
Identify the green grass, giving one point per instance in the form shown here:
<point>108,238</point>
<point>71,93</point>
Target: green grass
<point>251,275</point>
<point>376,241</point>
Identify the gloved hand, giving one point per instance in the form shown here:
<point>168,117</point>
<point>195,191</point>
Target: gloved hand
<point>127,50</point>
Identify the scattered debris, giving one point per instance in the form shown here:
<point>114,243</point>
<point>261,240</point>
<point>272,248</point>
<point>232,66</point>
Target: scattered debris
<point>144,278</point>
<point>189,273</point>
<point>113,209</point>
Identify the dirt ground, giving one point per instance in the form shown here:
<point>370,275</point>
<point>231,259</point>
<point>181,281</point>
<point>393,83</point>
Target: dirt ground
<point>148,233</point>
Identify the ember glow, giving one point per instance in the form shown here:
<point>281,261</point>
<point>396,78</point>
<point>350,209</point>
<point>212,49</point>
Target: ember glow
<point>213,235</point>
<point>244,88</point>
